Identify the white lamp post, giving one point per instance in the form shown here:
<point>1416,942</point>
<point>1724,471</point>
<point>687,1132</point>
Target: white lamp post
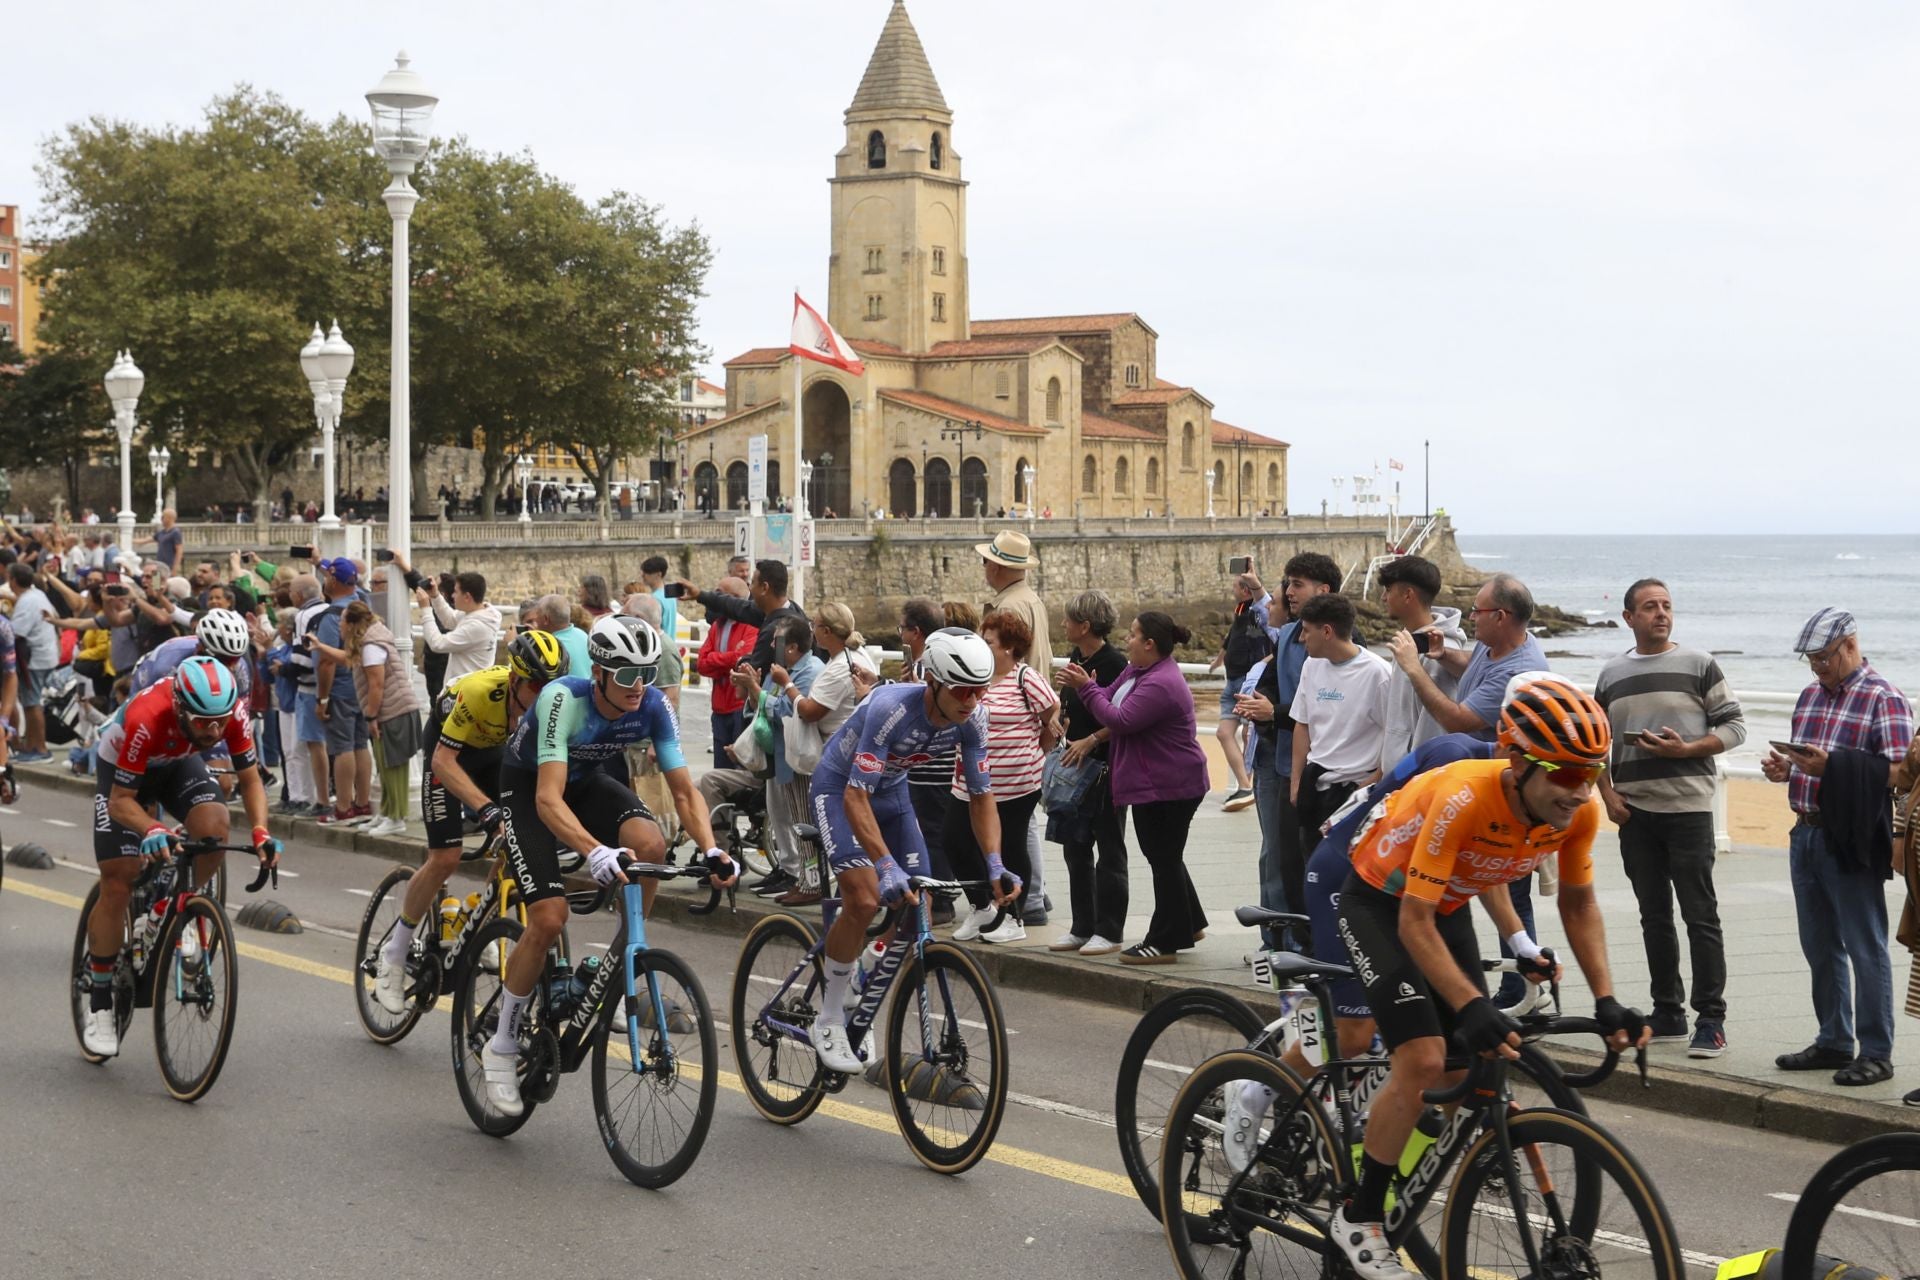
<point>1026,477</point>
<point>158,460</point>
<point>124,383</point>
<point>1209,495</point>
<point>523,467</point>
<point>336,362</point>
<point>402,115</point>
<point>316,375</point>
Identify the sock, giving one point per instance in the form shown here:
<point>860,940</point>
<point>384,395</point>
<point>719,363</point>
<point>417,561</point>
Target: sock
<point>1370,1202</point>
<point>506,1037</point>
<point>100,973</point>
<point>833,1000</point>
<point>399,941</point>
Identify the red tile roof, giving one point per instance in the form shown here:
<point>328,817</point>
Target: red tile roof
<point>1103,322</point>
<point>974,348</point>
<point>1227,433</point>
<point>1153,395</point>
<point>868,347</point>
<point>759,355</point>
<point>963,413</point>
<point>709,388</point>
<point>1095,427</point>
<point>713,424</point>
<point>1163,384</point>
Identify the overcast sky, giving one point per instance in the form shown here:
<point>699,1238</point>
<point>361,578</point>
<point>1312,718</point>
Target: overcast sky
<point>1629,267</point>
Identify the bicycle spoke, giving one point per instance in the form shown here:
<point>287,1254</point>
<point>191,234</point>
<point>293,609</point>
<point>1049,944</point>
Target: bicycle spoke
<point>1875,1225</point>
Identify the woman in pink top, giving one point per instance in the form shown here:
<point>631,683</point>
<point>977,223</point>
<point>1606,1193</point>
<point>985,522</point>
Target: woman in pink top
<point>1019,710</point>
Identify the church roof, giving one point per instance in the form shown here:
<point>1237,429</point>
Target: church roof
<point>759,355</point>
<point>975,347</point>
<point>1227,433</point>
<point>1155,395</point>
<point>1105,322</point>
<point>714,424</point>
<point>1095,427</point>
<point>958,412</point>
<point>868,347</point>
<point>898,75</point>
<point>709,388</point>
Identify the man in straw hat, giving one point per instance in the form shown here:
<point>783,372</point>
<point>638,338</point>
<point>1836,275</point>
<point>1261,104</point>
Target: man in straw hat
<point>1007,559</point>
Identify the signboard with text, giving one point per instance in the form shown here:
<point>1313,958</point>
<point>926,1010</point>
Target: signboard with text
<point>756,468</point>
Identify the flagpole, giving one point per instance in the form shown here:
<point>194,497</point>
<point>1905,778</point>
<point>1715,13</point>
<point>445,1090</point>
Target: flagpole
<point>801,511</point>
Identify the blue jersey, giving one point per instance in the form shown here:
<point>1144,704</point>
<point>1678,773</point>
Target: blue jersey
<point>1434,753</point>
<point>889,733</point>
<point>564,724</point>
<point>163,661</point>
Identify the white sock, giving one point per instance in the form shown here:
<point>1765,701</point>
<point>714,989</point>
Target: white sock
<point>833,1000</point>
<point>506,1037</point>
<point>398,942</point>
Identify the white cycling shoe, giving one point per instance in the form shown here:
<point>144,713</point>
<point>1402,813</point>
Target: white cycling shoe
<point>1248,1102</point>
<point>1365,1245</point>
<point>503,1081</point>
<point>101,1033</point>
<point>834,1049</point>
<point>390,986</point>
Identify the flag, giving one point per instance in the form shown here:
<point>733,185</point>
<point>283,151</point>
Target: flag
<point>1394,464</point>
<point>815,339</point>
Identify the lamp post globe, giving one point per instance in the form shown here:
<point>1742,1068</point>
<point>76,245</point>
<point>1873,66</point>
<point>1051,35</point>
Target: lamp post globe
<point>1026,477</point>
<point>335,359</point>
<point>523,468</point>
<point>158,460</point>
<point>124,383</point>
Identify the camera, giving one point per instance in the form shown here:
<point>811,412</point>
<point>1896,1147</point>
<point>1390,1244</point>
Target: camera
<point>1240,564</point>
<point>300,553</point>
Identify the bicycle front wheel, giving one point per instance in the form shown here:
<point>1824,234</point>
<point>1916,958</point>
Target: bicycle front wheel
<point>376,926</point>
<point>781,1075</point>
<point>476,1015</point>
<point>1573,1198</point>
<point>82,999</point>
<point>654,1111</point>
<point>1873,1231</point>
<point>947,1078</point>
<point>195,994</point>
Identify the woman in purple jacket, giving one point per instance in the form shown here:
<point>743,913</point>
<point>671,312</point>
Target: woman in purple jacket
<point>1156,768</point>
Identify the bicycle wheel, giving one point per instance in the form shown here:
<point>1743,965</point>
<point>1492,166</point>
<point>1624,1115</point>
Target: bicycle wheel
<point>195,997</point>
<point>654,1113</point>
<point>781,1075</point>
<point>948,1082</point>
<point>1874,1230</point>
<point>1171,1039</point>
<point>82,999</point>
<point>1273,1222</point>
<point>1611,1220</point>
<point>376,926</point>
<point>476,1015</point>
<point>734,832</point>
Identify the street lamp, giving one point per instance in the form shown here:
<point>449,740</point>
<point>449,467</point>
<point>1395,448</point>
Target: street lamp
<point>158,460</point>
<point>1026,479</point>
<point>959,436</point>
<point>1209,494</point>
<point>336,362</point>
<point>402,113</point>
<point>825,465</point>
<point>523,467</point>
<point>124,383</point>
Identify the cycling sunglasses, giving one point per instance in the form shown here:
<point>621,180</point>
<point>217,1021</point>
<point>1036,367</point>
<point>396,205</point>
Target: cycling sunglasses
<point>1569,776</point>
<point>207,724</point>
<point>627,677</point>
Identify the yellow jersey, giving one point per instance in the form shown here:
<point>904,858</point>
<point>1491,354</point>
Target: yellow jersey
<point>474,710</point>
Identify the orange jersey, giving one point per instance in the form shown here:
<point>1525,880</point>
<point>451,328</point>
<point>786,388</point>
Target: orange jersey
<point>1449,834</point>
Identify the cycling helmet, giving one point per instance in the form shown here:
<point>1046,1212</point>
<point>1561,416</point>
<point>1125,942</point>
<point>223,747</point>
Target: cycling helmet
<point>536,655</point>
<point>620,640</point>
<point>958,657</point>
<point>223,634</point>
<point>1555,722</point>
<point>204,688</point>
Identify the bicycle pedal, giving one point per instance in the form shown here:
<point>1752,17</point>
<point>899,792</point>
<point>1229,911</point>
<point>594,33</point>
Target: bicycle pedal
<point>833,1081</point>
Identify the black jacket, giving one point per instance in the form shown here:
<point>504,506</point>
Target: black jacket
<point>1855,812</point>
<point>719,605</point>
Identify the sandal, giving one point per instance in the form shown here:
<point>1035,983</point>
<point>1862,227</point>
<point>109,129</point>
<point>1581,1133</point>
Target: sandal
<point>1141,953</point>
<point>1864,1071</point>
<point>1814,1058</point>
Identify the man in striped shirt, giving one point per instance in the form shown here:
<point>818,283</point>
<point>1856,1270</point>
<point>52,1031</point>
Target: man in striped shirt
<point>1672,713</point>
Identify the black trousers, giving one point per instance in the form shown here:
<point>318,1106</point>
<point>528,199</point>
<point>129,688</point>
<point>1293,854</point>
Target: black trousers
<point>1668,856</point>
<point>930,806</point>
<point>970,861</point>
<point>1097,872</point>
<point>1160,827</point>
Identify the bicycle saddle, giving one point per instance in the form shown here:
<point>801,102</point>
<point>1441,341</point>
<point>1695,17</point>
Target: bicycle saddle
<point>1291,966</point>
<point>1253,916</point>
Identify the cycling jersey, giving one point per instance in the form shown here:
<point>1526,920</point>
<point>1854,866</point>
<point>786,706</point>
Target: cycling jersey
<point>162,662</point>
<point>145,733</point>
<point>889,733</point>
<point>474,710</point>
<point>9,658</point>
<point>564,725</point>
<point>1450,834</point>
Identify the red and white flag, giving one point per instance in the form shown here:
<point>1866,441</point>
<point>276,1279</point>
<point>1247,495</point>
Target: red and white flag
<point>1394,464</point>
<point>815,339</point>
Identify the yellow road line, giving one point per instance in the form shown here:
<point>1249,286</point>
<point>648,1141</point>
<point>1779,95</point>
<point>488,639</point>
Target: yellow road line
<point>866,1117</point>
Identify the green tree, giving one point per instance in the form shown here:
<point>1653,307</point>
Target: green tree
<point>52,413</point>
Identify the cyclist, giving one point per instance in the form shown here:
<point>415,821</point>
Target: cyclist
<point>220,633</point>
<point>860,803</point>
<point>150,756</point>
<point>1437,843</point>
<point>472,719</point>
<point>555,791</point>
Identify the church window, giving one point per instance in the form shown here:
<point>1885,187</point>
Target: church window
<point>1120,475</point>
<point>873,306</point>
<point>1053,399</point>
<point>876,259</point>
<point>1002,385</point>
<point>939,260</point>
<point>939,308</point>
<point>1220,480</point>
<point>876,150</point>
<point>1246,485</point>
<point>1020,494</point>
<point>1153,475</point>
<point>686,389</point>
<point>1186,446</point>
<point>1089,475</point>
<point>1273,479</point>
<point>937,154</point>
<point>1133,375</point>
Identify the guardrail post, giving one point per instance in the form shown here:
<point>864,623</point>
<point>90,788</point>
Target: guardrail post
<point>1722,839</point>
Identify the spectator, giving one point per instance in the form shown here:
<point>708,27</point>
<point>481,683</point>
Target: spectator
<point>310,731</point>
<point>206,574</point>
<point>348,741</point>
<point>726,643</point>
<point>297,765</point>
<point>390,705</point>
<point>1006,561</point>
<point>1503,648</point>
<point>766,599</point>
<point>1849,728</point>
<point>1246,644</point>
<point>1158,769</point>
<point>594,597</point>
<point>1339,713</point>
<point>740,567</point>
<point>460,623</point>
<point>653,578</point>
<point>1408,587</point>
<point>37,644</point>
<point>961,614</point>
<point>556,615</point>
<point>1671,713</point>
<point>790,683</point>
<point>672,667</point>
<point>1093,838</point>
<point>170,541</point>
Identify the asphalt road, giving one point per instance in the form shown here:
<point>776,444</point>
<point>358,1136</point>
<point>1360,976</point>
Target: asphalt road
<point>318,1152</point>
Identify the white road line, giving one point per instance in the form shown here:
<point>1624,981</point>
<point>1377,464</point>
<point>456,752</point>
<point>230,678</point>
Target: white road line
<point>1618,1239</point>
<point>77,866</point>
<point>1062,1109</point>
<point>1174,1067</point>
<point>59,822</point>
<point>1873,1214</point>
<point>358,893</point>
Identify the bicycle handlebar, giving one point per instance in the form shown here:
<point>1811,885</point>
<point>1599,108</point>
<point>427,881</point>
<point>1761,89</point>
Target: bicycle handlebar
<point>1545,1025</point>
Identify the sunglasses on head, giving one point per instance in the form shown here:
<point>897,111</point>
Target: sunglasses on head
<point>1569,776</point>
<point>627,677</point>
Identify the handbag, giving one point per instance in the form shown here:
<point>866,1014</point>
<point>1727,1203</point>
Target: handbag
<point>803,743</point>
<point>1064,787</point>
<point>753,749</point>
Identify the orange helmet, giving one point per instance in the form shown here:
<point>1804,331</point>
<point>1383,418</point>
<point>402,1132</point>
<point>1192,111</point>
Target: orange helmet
<point>1555,722</point>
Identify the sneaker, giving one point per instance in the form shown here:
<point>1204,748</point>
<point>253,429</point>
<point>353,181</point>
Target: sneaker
<point>679,1021</point>
<point>503,1081</point>
<point>774,884</point>
<point>1709,1040</point>
<point>390,986</point>
<point>101,1033</point>
<point>1099,946</point>
<point>1912,1099</point>
<point>1009,929</point>
<point>334,817</point>
<point>1366,1247</point>
<point>1237,799</point>
<point>359,814</point>
<point>1072,942</point>
<point>1247,1105</point>
<point>835,1051</point>
<point>1669,1026</point>
<point>976,919</point>
<point>386,827</point>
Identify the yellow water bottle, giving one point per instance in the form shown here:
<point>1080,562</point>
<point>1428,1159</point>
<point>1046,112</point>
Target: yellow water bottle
<point>451,915</point>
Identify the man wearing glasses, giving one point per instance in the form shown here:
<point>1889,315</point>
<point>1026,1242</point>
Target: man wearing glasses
<point>1849,727</point>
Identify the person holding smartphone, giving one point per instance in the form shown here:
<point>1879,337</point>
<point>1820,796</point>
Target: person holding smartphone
<point>1408,588</point>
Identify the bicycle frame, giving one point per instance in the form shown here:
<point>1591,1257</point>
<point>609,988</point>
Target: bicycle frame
<point>180,863</point>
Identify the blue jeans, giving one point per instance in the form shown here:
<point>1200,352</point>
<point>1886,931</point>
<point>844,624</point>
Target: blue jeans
<point>1843,920</point>
<point>1512,985</point>
<point>1283,868</point>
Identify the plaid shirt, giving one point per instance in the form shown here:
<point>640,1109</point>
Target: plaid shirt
<point>1865,713</point>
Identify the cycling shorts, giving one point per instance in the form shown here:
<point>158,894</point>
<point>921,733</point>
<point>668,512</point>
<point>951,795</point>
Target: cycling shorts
<point>899,827</point>
<point>1403,1004</point>
<point>1327,873</point>
<point>601,804</point>
<point>176,787</point>
<point>441,808</point>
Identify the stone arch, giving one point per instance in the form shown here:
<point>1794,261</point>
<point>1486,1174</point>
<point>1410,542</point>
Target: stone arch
<point>828,433</point>
<point>1090,474</point>
<point>1053,400</point>
<point>937,153</point>
<point>901,485</point>
<point>1153,476</point>
<point>973,487</point>
<point>736,485</point>
<point>1246,492</point>
<point>1120,475</point>
<point>876,150</point>
<point>706,486</point>
<point>1020,494</point>
<point>1186,446</point>
<point>1273,479</point>
<point>1219,481</point>
<point>939,487</point>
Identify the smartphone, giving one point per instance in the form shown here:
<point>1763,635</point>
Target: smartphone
<point>1240,564</point>
<point>1788,748</point>
<point>300,553</point>
<point>672,591</point>
<point>1634,738</point>
<point>116,589</point>
<point>247,557</point>
<point>383,555</point>
<point>1436,643</point>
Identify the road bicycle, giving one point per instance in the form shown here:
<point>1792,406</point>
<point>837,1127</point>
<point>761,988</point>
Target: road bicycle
<point>1538,1191</point>
<point>948,1090</point>
<point>1176,1035</point>
<point>176,956</point>
<point>654,1087</point>
<point>740,828</point>
<point>1859,1215</point>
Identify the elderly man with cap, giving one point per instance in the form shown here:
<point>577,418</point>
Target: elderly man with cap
<point>348,742</point>
<point>1849,728</point>
<point>1007,560</point>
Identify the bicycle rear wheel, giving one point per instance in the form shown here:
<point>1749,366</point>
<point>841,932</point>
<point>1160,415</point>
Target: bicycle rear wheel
<point>948,1086</point>
<point>781,1075</point>
<point>1585,1206</point>
<point>654,1112</point>
<point>733,831</point>
<point>1874,1230</point>
<point>376,926</point>
<point>82,999</point>
<point>195,997</point>
<point>1170,1041</point>
<point>476,1015</point>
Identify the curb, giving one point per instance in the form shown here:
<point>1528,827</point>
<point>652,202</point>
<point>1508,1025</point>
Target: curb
<point>1704,1095</point>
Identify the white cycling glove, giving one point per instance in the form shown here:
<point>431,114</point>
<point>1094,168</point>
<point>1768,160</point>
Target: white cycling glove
<point>1523,946</point>
<point>604,864</point>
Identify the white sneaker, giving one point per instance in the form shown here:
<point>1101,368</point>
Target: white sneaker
<point>1247,1104</point>
<point>390,986</point>
<point>1099,946</point>
<point>1071,942</point>
<point>101,1033</point>
<point>1010,930</point>
<point>976,919</point>
<point>1367,1250</point>
<point>503,1081</point>
<point>834,1049</point>
<point>396,827</point>
<point>377,827</point>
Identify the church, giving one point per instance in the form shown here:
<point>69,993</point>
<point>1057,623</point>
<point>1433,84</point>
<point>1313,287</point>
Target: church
<point>1055,415</point>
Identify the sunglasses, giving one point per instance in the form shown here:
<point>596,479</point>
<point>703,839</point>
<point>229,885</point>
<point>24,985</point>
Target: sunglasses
<point>627,677</point>
<point>207,724</point>
<point>1569,776</point>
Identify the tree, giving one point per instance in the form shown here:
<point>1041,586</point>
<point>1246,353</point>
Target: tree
<point>52,413</point>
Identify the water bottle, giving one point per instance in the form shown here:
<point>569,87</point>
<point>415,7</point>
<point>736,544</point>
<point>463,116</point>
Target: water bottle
<point>560,988</point>
<point>450,919</point>
<point>582,980</point>
<point>148,929</point>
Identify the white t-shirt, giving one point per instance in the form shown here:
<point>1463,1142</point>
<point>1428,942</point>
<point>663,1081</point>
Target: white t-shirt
<point>1344,707</point>
<point>373,655</point>
<point>834,688</point>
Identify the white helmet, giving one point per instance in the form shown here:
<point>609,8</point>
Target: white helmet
<point>223,634</point>
<point>621,640</point>
<point>958,657</point>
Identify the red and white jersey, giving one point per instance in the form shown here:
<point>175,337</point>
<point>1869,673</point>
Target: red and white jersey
<point>146,732</point>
